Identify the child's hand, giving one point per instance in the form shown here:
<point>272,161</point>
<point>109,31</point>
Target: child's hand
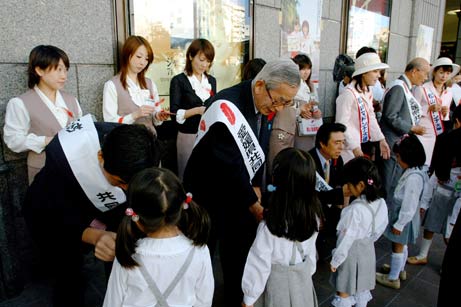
<point>332,268</point>
<point>396,231</point>
<point>243,305</point>
<point>421,212</point>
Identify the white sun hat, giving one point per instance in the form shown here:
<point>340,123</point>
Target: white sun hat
<point>445,62</point>
<point>368,62</point>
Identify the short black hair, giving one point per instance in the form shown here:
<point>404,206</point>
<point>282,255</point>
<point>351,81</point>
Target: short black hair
<point>324,132</point>
<point>411,150</point>
<point>252,68</point>
<point>362,169</point>
<point>128,149</point>
<point>44,57</point>
<point>365,49</point>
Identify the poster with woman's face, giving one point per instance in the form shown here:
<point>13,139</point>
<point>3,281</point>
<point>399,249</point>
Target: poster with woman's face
<point>170,26</point>
<point>300,31</point>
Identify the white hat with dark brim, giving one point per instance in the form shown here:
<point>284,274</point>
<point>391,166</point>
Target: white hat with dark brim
<point>368,62</point>
<point>444,61</point>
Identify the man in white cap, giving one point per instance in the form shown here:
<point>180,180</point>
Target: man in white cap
<point>354,109</point>
<point>401,115</point>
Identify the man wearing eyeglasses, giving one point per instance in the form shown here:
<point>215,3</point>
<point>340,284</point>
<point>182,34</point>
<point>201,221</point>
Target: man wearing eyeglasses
<point>217,172</point>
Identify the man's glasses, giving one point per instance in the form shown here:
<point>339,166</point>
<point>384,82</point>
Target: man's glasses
<point>278,103</point>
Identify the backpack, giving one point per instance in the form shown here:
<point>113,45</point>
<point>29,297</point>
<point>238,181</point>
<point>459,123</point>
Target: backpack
<point>341,62</point>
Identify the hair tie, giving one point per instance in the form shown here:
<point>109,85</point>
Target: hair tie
<point>185,206</point>
<point>271,188</point>
<point>370,181</point>
<point>130,212</point>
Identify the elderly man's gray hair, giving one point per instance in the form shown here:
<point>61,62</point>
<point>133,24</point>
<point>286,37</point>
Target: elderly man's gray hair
<point>274,73</point>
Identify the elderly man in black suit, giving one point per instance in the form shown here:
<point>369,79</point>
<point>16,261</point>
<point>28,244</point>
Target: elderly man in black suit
<point>329,143</point>
<point>401,114</point>
<point>225,170</point>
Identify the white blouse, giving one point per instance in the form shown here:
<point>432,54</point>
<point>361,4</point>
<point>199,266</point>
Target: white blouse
<point>408,193</point>
<point>163,258</point>
<point>201,88</point>
<point>139,96</point>
<point>17,122</point>
<point>356,224</point>
<point>266,250</point>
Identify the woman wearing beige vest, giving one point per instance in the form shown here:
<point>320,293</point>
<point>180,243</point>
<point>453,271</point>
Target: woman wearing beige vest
<point>129,97</point>
<point>34,118</point>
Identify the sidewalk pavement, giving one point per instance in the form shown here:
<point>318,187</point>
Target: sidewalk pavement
<point>419,290</point>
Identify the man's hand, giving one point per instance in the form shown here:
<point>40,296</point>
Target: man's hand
<point>332,268</point>
<point>257,210</point>
<point>385,150</point>
<point>357,152</point>
<point>105,247</point>
<point>417,129</point>
<point>103,241</point>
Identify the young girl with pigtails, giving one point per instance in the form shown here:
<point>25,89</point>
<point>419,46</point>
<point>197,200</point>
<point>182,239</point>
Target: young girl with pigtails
<point>353,261</point>
<point>161,253</point>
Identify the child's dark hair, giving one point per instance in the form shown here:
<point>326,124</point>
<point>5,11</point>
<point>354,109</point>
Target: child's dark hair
<point>157,197</point>
<point>411,150</point>
<point>362,169</point>
<point>294,208</point>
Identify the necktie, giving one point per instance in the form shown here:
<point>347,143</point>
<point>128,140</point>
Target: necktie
<point>326,171</point>
<point>258,125</point>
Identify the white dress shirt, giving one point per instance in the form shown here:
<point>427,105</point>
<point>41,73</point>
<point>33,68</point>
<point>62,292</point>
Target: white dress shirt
<point>201,88</point>
<point>356,224</point>
<point>266,250</point>
<point>17,122</point>
<point>163,258</point>
<point>139,96</point>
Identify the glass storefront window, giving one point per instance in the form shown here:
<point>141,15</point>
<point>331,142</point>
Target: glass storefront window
<point>368,25</point>
<point>171,25</point>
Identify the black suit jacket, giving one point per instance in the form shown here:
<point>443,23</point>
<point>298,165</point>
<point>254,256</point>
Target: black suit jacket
<point>216,173</point>
<point>334,196</point>
<point>56,209</point>
<point>182,96</point>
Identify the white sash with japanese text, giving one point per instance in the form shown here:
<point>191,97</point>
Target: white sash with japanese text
<point>364,119</point>
<point>435,116</point>
<point>80,143</point>
<point>227,113</point>
<point>413,106</point>
<point>321,184</point>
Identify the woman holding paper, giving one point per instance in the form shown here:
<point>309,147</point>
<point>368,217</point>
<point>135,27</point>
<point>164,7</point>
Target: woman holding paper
<point>190,91</point>
<point>130,97</point>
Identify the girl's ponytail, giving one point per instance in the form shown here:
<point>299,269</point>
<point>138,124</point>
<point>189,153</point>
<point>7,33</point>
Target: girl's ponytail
<point>125,244</point>
<point>195,223</point>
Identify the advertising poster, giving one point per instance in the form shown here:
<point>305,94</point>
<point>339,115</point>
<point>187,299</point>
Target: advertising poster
<point>300,31</point>
<point>368,26</point>
<point>170,26</point>
<point>424,42</point>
